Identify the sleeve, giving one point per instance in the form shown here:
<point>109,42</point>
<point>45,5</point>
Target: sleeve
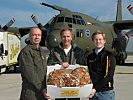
<point>44,86</point>
<point>28,70</point>
<point>110,69</point>
<point>53,59</point>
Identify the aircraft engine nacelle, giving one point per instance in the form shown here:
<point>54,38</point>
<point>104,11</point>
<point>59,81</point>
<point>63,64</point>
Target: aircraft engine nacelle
<point>119,44</point>
<point>53,39</point>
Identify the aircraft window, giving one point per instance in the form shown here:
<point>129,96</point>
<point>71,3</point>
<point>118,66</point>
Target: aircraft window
<point>77,16</point>
<point>83,22</point>
<point>74,20</point>
<point>80,17</point>
<point>51,22</point>
<point>79,33</point>
<point>74,16</point>
<point>78,22</point>
<point>68,19</point>
<point>70,25</point>
<point>60,19</point>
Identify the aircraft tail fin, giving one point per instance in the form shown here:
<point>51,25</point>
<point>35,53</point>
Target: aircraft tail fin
<point>119,11</point>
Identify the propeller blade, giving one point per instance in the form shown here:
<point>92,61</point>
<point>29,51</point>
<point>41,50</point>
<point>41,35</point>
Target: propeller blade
<point>130,33</point>
<point>130,8</point>
<point>9,24</point>
<point>34,18</point>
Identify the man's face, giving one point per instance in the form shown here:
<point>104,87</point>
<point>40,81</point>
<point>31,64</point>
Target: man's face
<point>66,38</point>
<point>99,41</point>
<point>35,36</point>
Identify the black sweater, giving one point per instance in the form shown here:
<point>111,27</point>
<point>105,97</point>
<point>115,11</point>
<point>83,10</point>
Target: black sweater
<point>101,68</point>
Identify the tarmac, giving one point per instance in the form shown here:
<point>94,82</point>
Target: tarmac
<point>10,84</point>
<point>123,80</point>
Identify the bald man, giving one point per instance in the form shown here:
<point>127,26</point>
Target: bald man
<point>32,61</point>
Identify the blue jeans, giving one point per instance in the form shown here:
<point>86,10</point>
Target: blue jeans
<point>106,95</point>
<point>68,99</point>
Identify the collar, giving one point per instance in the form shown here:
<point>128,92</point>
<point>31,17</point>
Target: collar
<point>73,45</point>
<point>33,47</point>
<point>99,51</point>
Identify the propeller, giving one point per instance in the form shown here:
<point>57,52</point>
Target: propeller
<point>36,21</point>
<point>130,33</point>
<point>8,24</point>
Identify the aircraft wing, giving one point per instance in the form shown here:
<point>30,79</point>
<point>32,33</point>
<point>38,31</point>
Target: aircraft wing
<point>23,31</point>
<point>125,24</point>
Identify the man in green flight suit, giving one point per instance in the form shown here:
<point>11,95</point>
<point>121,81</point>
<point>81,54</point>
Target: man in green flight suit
<point>32,61</point>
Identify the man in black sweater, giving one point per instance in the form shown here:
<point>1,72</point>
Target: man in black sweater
<point>101,64</point>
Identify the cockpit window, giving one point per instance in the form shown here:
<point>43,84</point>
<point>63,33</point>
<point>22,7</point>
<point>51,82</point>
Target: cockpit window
<point>68,19</point>
<point>60,19</point>
<point>78,22</point>
<point>75,20</point>
<point>74,16</point>
<point>80,17</point>
<point>83,22</point>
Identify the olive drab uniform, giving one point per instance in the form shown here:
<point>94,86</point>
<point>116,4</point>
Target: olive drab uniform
<point>32,61</point>
<point>101,68</point>
<point>74,56</point>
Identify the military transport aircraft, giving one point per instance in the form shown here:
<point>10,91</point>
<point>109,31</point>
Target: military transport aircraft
<point>83,27</point>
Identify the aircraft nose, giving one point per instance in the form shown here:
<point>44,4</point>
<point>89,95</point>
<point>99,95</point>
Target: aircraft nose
<point>52,41</point>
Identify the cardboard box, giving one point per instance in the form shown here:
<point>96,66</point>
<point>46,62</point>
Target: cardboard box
<point>67,92</point>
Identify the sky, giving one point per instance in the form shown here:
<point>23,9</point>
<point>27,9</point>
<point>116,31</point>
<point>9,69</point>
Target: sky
<point>21,10</point>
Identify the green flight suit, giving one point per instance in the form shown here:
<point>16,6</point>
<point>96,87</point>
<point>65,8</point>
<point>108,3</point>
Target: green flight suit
<point>32,62</point>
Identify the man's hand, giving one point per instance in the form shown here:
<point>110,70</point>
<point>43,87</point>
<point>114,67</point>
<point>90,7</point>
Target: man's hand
<point>45,94</point>
<point>65,64</point>
<point>126,37</point>
<point>92,93</point>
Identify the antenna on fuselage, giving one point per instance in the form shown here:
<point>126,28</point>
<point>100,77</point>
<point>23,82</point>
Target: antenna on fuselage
<point>55,7</point>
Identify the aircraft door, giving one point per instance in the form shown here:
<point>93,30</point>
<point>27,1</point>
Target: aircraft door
<point>79,37</point>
